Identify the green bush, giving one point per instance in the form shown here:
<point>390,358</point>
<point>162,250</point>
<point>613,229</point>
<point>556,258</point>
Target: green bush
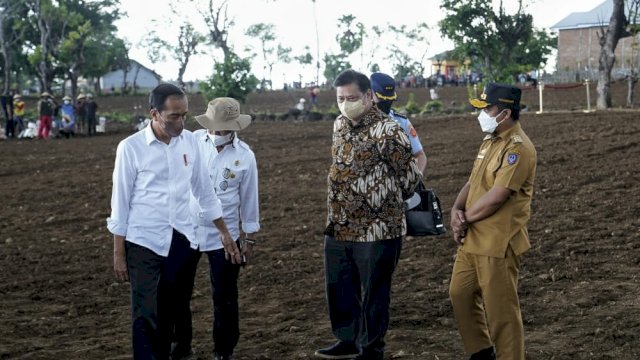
<point>333,111</point>
<point>412,106</point>
<point>433,106</point>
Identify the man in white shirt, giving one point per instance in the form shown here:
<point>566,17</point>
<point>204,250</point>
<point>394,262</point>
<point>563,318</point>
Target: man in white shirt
<point>232,167</point>
<point>156,172</point>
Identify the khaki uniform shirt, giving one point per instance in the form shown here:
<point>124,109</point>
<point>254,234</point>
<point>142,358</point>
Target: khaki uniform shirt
<point>506,160</point>
<point>372,171</point>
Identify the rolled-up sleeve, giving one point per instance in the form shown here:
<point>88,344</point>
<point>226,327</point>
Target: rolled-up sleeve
<point>202,189</point>
<point>249,204</point>
<point>124,176</point>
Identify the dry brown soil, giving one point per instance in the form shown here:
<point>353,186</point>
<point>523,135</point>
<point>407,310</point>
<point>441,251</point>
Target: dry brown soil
<point>580,289</point>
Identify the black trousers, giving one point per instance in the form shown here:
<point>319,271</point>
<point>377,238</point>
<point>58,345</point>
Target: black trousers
<point>91,125</point>
<point>358,288</point>
<point>224,290</point>
<point>154,285</point>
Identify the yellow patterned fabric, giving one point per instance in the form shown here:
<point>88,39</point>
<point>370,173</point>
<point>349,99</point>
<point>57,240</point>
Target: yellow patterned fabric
<point>372,171</point>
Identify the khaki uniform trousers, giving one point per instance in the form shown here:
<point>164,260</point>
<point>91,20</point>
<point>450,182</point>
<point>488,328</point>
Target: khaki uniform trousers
<point>484,295</point>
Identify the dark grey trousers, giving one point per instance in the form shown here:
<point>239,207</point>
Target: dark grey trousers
<point>358,288</point>
<point>154,287</point>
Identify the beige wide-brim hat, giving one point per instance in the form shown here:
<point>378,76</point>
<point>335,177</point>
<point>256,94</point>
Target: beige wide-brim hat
<point>224,114</point>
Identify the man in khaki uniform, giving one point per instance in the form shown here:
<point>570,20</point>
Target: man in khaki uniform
<point>489,221</point>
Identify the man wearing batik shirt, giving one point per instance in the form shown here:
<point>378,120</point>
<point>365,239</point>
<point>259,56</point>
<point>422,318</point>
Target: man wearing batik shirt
<point>373,170</point>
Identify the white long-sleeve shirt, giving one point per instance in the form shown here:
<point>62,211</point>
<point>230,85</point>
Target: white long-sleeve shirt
<point>152,186</point>
<point>235,179</point>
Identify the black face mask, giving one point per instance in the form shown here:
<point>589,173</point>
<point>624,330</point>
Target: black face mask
<point>384,106</point>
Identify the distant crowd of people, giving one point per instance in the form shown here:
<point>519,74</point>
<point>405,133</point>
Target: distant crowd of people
<point>53,119</point>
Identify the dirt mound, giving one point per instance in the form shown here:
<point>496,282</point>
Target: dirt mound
<point>579,288</point>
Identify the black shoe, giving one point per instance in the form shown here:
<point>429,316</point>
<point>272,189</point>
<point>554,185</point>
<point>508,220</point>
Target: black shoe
<point>181,352</point>
<point>340,350</point>
<point>370,355</point>
<point>217,356</point>
<point>486,354</point>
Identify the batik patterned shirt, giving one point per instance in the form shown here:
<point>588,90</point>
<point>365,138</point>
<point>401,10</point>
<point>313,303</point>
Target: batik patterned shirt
<point>372,171</point>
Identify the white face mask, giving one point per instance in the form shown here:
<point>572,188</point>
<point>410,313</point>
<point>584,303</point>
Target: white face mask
<point>352,109</point>
<point>488,123</point>
<point>219,140</point>
<point>67,102</point>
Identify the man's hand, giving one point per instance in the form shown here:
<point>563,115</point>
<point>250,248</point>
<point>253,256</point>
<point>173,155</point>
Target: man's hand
<point>247,251</point>
<point>119,259</point>
<point>458,225</point>
<point>246,247</point>
<point>231,251</point>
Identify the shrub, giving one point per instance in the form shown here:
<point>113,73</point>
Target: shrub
<point>433,106</point>
<point>412,106</point>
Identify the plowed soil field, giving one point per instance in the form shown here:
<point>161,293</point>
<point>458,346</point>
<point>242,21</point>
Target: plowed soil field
<point>579,284</point>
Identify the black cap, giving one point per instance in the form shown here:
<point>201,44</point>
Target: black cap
<point>495,94</point>
<point>383,86</point>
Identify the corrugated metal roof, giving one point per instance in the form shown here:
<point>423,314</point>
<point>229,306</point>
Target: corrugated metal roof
<point>599,16</point>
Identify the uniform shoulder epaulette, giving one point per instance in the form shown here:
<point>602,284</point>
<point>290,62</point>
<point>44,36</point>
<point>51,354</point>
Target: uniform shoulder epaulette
<point>402,115</point>
<point>517,139</point>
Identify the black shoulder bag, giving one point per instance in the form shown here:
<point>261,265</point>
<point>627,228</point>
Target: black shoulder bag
<point>425,218</point>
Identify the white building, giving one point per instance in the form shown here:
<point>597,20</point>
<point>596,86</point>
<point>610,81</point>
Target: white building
<point>143,78</point>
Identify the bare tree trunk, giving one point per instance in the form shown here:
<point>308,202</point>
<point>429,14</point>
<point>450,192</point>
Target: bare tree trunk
<point>6,58</point>
<point>632,80</point>
<point>43,69</point>
<point>135,80</point>
<point>608,41</point>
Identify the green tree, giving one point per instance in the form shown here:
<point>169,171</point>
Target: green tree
<point>405,39</point>
<point>305,59</point>
<point>231,78</point>
<point>188,44</point>
<point>12,30</point>
<point>350,34</point>
<point>265,33</point>
<point>501,45</point>
<point>334,65</point>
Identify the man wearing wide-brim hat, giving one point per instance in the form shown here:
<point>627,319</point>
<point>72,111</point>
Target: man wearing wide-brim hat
<point>488,220</point>
<point>46,107</point>
<point>232,166</point>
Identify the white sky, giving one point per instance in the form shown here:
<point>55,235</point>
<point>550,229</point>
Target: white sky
<point>295,28</point>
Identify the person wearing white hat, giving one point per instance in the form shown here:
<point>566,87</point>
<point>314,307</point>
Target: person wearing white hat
<point>46,107</point>
<point>232,166</point>
<point>67,112</point>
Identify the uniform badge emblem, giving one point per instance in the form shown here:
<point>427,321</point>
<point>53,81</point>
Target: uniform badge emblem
<point>413,132</point>
<point>512,159</point>
<point>237,163</point>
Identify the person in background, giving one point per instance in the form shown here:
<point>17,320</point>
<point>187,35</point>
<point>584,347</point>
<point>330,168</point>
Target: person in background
<point>46,108</point>
<point>232,166</point>
<point>156,172</point>
<point>384,94</point>
<point>91,109</point>
<point>489,221</point>
<point>67,114</point>
<point>8,110</point>
<point>19,108</point>
<point>371,173</point>
<point>313,96</point>
<point>81,114</point>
